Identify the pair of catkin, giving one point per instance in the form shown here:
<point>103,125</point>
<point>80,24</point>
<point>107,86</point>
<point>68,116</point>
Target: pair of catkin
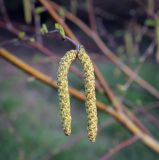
<point>63,91</point>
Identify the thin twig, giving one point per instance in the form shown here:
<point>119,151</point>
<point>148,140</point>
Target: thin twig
<point>104,33</point>
<point>154,121</point>
<point>37,20</point>
<point>142,5</point>
<point>149,106</point>
<point>3,11</point>
<point>11,41</point>
<point>148,52</point>
<point>91,15</point>
<point>119,147</point>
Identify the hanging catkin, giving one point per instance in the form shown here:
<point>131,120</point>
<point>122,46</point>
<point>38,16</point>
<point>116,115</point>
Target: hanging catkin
<point>89,80</point>
<point>63,93</point>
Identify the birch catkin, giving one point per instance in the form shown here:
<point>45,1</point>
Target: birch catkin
<point>89,80</point>
<point>63,93</point>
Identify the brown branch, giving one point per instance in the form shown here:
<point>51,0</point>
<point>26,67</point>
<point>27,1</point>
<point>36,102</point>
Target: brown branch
<point>151,118</point>
<point>91,15</point>
<point>108,92</point>
<point>3,11</point>
<point>119,147</point>
<point>145,138</point>
<point>114,59</point>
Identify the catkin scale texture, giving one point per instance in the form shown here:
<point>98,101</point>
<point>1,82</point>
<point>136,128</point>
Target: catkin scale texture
<point>89,80</point>
<point>63,93</point>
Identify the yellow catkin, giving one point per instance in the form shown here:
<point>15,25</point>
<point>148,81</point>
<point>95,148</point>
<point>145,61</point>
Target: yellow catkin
<point>91,108</point>
<point>63,93</point>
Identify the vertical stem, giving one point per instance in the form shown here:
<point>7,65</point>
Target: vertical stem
<point>3,11</point>
<point>37,21</point>
<point>92,16</point>
<point>27,11</point>
<point>37,28</point>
